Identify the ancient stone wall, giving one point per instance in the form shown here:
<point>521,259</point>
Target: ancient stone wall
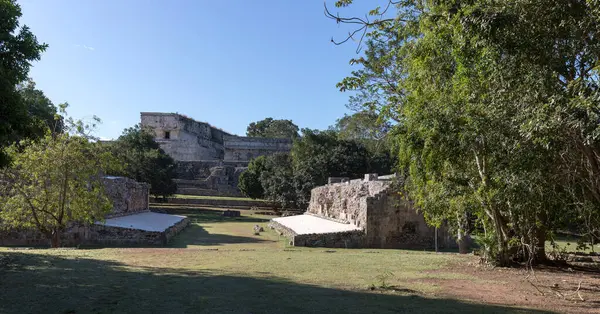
<point>200,149</point>
<point>184,138</point>
<point>394,223</point>
<point>127,195</point>
<point>371,204</point>
<point>79,234</point>
<point>239,148</point>
<point>208,178</point>
<point>345,201</point>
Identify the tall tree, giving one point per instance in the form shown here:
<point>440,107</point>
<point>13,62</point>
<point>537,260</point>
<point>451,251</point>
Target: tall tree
<point>495,101</point>
<point>18,48</point>
<point>144,160</point>
<point>273,128</point>
<point>249,181</point>
<point>54,182</point>
<point>43,114</point>
<point>289,178</point>
<point>367,128</point>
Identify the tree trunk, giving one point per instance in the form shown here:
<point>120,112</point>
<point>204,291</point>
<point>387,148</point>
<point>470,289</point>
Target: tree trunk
<point>55,239</point>
<point>540,249</point>
<point>503,258</point>
<point>463,238</point>
<point>463,243</point>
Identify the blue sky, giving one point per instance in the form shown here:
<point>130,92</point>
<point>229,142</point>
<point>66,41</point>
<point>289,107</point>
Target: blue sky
<point>224,62</point>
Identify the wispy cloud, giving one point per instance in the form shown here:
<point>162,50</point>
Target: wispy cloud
<point>85,47</point>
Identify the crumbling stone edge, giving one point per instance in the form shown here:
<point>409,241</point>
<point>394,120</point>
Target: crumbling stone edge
<point>345,239</point>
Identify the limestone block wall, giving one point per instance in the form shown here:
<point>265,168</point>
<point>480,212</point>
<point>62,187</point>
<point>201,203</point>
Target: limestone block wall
<point>239,148</point>
<point>345,201</point>
<point>184,138</point>
<point>207,178</point>
<point>127,195</point>
<point>386,220</point>
<point>394,223</point>
<point>79,234</point>
<point>195,170</point>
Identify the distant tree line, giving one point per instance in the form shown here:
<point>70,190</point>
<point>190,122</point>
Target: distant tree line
<point>354,146</point>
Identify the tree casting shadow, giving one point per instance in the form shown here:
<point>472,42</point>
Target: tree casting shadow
<point>197,235</point>
<point>33,283</point>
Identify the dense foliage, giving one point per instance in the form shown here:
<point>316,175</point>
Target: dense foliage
<point>288,178</point>
<point>273,128</point>
<point>18,48</point>
<point>498,111</point>
<point>52,182</point>
<point>142,159</point>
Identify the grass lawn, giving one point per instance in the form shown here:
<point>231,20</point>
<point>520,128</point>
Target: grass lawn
<point>569,243</point>
<point>218,265</point>
<point>208,197</point>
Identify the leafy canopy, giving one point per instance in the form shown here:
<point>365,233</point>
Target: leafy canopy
<point>496,104</point>
<point>18,48</point>
<point>142,159</point>
<point>54,182</point>
<point>273,128</point>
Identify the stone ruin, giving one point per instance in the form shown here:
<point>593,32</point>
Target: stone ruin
<point>209,160</point>
<point>362,213</point>
<point>129,223</point>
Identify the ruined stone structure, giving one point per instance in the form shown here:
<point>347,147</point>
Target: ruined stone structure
<point>360,213</point>
<point>130,222</point>
<point>128,196</point>
<point>209,159</point>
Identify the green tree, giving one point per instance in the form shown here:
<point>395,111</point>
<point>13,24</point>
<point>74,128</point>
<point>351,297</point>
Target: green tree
<point>319,155</point>
<point>367,128</point>
<point>43,114</point>
<point>52,183</point>
<point>144,161</point>
<point>497,109</point>
<point>277,180</point>
<point>249,181</point>
<point>273,128</point>
<point>288,178</point>
<point>18,48</point>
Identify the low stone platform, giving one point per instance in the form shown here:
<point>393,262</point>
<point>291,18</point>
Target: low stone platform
<point>309,224</point>
<point>314,231</point>
<point>145,228</point>
<point>146,221</point>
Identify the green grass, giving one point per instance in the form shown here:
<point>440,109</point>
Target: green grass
<point>218,265</point>
<point>569,244</point>
<point>208,197</point>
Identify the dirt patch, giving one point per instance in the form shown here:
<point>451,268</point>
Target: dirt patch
<point>557,290</point>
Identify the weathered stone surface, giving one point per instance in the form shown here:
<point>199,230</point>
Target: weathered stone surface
<point>240,148</point>
<point>129,198</point>
<point>183,138</point>
<point>207,178</point>
<point>78,234</point>
<point>127,195</point>
<point>205,154</point>
<point>384,220</point>
<point>345,201</point>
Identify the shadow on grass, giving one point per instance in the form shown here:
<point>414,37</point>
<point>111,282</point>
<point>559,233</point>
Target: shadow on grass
<point>210,216</point>
<point>197,235</point>
<point>32,283</point>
